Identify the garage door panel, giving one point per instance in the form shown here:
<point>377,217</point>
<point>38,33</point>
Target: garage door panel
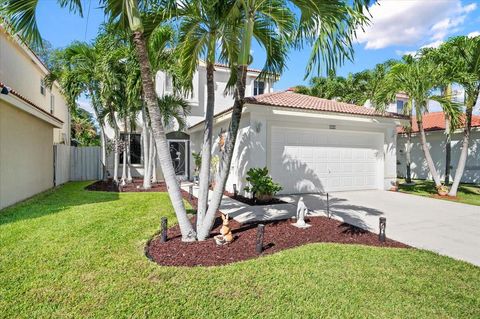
<point>323,160</point>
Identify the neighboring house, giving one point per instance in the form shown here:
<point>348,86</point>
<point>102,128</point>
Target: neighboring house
<point>310,144</point>
<point>434,124</point>
<point>32,119</point>
<point>179,142</point>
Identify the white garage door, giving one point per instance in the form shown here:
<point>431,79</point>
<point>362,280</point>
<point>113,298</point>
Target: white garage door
<point>305,160</point>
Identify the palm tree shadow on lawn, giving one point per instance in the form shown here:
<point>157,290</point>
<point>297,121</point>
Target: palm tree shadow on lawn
<point>54,201</point>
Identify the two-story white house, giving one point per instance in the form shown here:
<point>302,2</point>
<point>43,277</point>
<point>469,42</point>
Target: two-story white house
<point>179,142</point>
<point>32,119</point>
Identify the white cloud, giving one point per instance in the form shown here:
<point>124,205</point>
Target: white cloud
<point>86,105</point>
<point>399,22</point>
<point>474,34</point>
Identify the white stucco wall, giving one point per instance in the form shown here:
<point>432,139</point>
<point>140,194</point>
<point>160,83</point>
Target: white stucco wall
<point>253,149</point>
<point>436,142</point>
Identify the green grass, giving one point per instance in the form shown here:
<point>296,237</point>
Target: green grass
<point>72,253</point>
<point>467,193</point>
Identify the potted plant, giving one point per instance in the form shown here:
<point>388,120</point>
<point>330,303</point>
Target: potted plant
<point>262,186</point>
<point>442,190</point>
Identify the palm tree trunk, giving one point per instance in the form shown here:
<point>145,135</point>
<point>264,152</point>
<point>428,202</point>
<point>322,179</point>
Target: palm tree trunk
<point>448,149</point>
<point>428,157</point>
<point>151,157</point>
<point>153,160</point>
<point>188,234</point>
<point>204,177</point>
<point>129,160</point>
<point>124,162</point>
<point>116,155</point>
<point>227,155</point>
<point>464,154</point>
<point>408,153</point>
<point>103,145</point>
<point>146,151</point>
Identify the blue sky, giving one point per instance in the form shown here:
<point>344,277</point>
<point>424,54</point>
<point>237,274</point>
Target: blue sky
<point>397,27</point>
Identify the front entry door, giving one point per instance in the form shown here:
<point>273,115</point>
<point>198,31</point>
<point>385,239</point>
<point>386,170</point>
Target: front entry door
<point>178,153</point>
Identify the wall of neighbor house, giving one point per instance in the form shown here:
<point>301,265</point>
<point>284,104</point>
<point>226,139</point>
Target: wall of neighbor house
<point>436,142</point>
<point>21,70</point>
<point>26,155</point>
<point>252,148</point>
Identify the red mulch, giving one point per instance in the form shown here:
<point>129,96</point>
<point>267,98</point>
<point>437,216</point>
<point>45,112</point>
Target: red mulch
<point>279,235</point>
<point>253,202</point>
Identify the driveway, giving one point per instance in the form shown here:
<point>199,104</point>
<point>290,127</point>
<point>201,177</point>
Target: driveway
<point>445,227</point>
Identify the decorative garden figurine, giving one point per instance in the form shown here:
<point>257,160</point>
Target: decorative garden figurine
<point>226,235</point>
<point>302,210</point>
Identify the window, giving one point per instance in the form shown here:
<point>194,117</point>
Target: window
<point>52,103</point>
<point>42,87</point>
<point>135,148</point>
<point>258,87</point>
<point>400,104</point>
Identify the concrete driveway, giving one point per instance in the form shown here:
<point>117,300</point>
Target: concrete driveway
<point>445,227</point>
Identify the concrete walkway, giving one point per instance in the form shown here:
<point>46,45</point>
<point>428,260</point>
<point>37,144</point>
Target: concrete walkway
<point>448,228</point>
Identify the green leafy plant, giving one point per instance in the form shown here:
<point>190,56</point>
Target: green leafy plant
<point>197,159</point>
<point>261,184</point>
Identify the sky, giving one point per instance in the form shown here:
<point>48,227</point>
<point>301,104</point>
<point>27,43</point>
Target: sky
<point>397,27</point>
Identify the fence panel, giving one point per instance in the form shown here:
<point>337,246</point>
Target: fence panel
<point>61,164</point>
<point>85,163</point>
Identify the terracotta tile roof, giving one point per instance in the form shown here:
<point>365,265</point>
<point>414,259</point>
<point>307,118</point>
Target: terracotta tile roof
<point>435,121</point>
<point>300,101</point>
<point>24,99</point>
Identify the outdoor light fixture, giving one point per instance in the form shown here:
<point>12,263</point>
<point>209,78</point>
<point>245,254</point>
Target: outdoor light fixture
<point>382,226</point>
<point>332,127</point>
<point>5,90</point>
<point>235,192</point>
<point>328,206</point>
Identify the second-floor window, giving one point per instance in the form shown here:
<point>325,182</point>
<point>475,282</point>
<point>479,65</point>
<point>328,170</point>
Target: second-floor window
<point>258,87</point>
<point>52,104</point>
<point>400,104</point>
<point>42,87</point>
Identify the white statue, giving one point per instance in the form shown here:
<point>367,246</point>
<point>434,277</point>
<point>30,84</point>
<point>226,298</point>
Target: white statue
<point>302,211</point>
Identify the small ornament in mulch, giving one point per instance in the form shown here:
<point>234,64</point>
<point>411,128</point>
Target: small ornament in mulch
<point>302,211</point>
<point>226,236</point>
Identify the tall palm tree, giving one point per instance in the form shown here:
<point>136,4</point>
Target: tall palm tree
<point>328,26</point>
<point>464,53</point>
<point>203,28</point>
<point>128,14</point>
<point>418,79</point>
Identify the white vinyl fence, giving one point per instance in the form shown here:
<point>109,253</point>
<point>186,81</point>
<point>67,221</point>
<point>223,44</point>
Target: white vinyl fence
<point>77,163</point>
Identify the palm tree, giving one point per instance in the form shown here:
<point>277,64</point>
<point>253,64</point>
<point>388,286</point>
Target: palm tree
<point>128,14</point>
<point>418,78</point>
<point>328,26</point>
<point>203,28</point>
<point>75,68</point>
<point>464,59</point>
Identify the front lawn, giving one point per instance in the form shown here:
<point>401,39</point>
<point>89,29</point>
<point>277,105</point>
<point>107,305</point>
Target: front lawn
<point>73,253</point>
<point>467,193</point>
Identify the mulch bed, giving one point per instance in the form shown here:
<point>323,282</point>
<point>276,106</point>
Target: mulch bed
<point>279,235</point>
<point>253,202</point>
